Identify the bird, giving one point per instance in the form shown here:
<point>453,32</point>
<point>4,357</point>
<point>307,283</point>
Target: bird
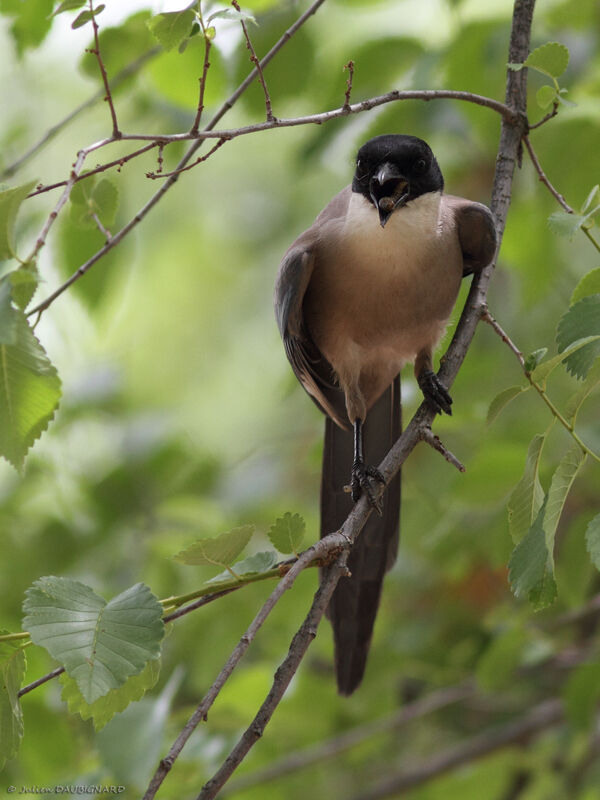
<point>367,288</point>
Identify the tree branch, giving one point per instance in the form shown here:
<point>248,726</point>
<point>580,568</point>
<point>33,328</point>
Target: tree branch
<point>517,732</point>
<point>256,62</point>
<point>301,759</point>
<point>108,97</point>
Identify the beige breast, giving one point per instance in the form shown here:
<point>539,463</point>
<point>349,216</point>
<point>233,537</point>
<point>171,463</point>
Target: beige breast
<point>378,296</point>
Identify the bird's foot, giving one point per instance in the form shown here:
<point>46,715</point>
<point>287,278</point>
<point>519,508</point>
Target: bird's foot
<point>435,392</point>
<point>364,479</point>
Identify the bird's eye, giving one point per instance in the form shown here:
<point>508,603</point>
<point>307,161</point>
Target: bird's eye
<point>420,165</point>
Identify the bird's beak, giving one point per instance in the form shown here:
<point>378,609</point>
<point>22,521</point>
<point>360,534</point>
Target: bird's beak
<point>389,190</point>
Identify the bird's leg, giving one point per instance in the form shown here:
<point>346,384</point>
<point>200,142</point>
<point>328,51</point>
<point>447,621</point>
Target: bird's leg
<point>433,389</point>
<point>362,474</point>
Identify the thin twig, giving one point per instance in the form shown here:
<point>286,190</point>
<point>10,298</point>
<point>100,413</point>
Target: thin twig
<point>317,550</point>
<point>155,175</point>
<point>434,441</point>
<point>519,731</point>
<point>117,162</point>
<point>569,427</point>
<point>281,680</point>
<point>202,84</point>
<point>543,177</point>
<point>108,97</point>
<point>44,679</point>
<point>350,67</point>
<point>257,64</point>
<point>157,196</point>
<point>550,115</point>
<point>121,76</point>
<point>301,759</point>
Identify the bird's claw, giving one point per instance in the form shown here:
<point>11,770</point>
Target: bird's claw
<point>363,478</point>
<point>435,392</point>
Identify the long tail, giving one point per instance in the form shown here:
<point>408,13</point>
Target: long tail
<point>353,606</point>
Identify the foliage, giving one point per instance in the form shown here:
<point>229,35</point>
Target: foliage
<point>179,418</point>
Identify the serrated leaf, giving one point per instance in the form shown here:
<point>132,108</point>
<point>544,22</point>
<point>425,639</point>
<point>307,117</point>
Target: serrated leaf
<point>589,284</point>
<point>287,533</point>
<point>592,541</point>
<point>30,390</point>
<point>527,496</point>
<point>590,198</point>
<point>551,59</point>
<point>172,27</point>
<point>576,400</point>
<point>253,565</point>
<point>502,400</point>
<point>219,551</point>
<point>529,559</point>
<point>496,666</point>
<point>12,672</point>
<point>533,359</point>
<point>104,708</point>
<point>542,371</point>
<point>24,282</point>
<point>562,480</point>
<point>8,315</point>
<point>545,96</point>
<point>565,224</point>
<point>581,321</point>
<point>68,5</point>
<point>89,199</point>
<point>581,694</point>
<point>99,644</point>
<point>86,16</point>
<point>10,202</point>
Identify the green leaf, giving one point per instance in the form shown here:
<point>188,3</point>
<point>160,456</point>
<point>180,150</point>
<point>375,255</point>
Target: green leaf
<point>172,27</point>
<point>10,202</point>
<point>528,495</point>
<point>24,282</point>
<point>86,16</point>
<point>287,533</point>
<point>12,672</point>
<point>545,592</point>
<point>69,5</point>
<point>495,669</point>
<point>219,551</point>
<point>562,481</point>
<point>592,541</point>
<point>253,565</point>
<point>502,400</point>
<point>29,392</point>
<point>104,708</point>
<point>582,320</point>
<point>589,284</point>
<point>576,400</point>
<point>99,644</point>
<point>9,316</point>
<point>542,371</point>
<point>31,21</point>
<point>533,359</point>
<point>565,224</point>
<point>529,561</point>
<point>545,96</point>
<point>581,694</point>
<point>591,198</point>
<point>90,199</point>
<point>551,59</point>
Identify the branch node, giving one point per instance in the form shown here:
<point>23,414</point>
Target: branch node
<point>427,435</point>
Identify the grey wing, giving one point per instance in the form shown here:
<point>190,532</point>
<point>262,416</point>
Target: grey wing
<point>310,366</point>
<point>476,230</point>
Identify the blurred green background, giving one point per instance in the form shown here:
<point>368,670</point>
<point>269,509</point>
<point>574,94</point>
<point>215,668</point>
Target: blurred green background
<point>181,417</point>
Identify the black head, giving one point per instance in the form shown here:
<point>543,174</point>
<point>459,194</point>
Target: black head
<point>393,169</point>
